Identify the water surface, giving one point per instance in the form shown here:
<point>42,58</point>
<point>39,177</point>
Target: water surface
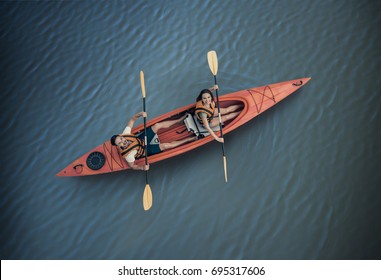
<point>303,177</point>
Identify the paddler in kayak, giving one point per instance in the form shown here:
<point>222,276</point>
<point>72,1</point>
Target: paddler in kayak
<point>131,146</point>
<point>207,113</point>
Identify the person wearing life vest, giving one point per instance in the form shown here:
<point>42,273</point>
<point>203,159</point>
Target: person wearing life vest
<point>207,113</point>
<point>132,147</point>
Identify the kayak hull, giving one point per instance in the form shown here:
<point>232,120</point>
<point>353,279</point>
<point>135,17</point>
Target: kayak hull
<point>105,158</point>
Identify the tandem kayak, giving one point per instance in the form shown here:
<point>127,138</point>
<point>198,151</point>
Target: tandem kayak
<point>105,158</point>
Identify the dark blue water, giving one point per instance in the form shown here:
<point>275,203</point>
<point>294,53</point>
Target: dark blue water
<point>304,179</point>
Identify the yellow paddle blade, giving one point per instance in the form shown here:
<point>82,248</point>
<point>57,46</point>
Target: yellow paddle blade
<point>147,198</point>
<point>225,169</point>
<point>142,84</point>
<point>213,62</point>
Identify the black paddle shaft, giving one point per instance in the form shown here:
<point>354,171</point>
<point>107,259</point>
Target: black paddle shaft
<point>145,136</point>
<point>219,114</point>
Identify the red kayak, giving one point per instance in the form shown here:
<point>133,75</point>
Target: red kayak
<point>105,158</point>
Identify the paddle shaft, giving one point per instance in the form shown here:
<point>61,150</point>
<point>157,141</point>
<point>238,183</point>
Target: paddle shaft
<point>145,137</point>
<point>219,116</point>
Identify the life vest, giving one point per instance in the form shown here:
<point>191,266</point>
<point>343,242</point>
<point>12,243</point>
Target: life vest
<point>208,110</point>
<point>137,144</point>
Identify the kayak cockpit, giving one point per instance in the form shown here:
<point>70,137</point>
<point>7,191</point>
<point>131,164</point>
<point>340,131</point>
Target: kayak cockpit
<point>191,125</point>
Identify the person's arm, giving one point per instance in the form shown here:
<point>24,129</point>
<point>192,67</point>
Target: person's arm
<point>130,158</point>
<point>213,88</point>
<point>134,166</point>
<point>135,118</point>
<point>206,125</point>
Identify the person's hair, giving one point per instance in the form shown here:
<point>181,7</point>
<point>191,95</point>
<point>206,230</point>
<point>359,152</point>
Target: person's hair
<point>112,140</point>
<point>199,97</point>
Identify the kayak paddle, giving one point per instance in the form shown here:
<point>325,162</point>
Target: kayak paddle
<point>213,65</point>
<point>147,194</point>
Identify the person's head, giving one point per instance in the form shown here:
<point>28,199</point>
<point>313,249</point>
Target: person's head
<point>118,140</point>
<point>206,96</point>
